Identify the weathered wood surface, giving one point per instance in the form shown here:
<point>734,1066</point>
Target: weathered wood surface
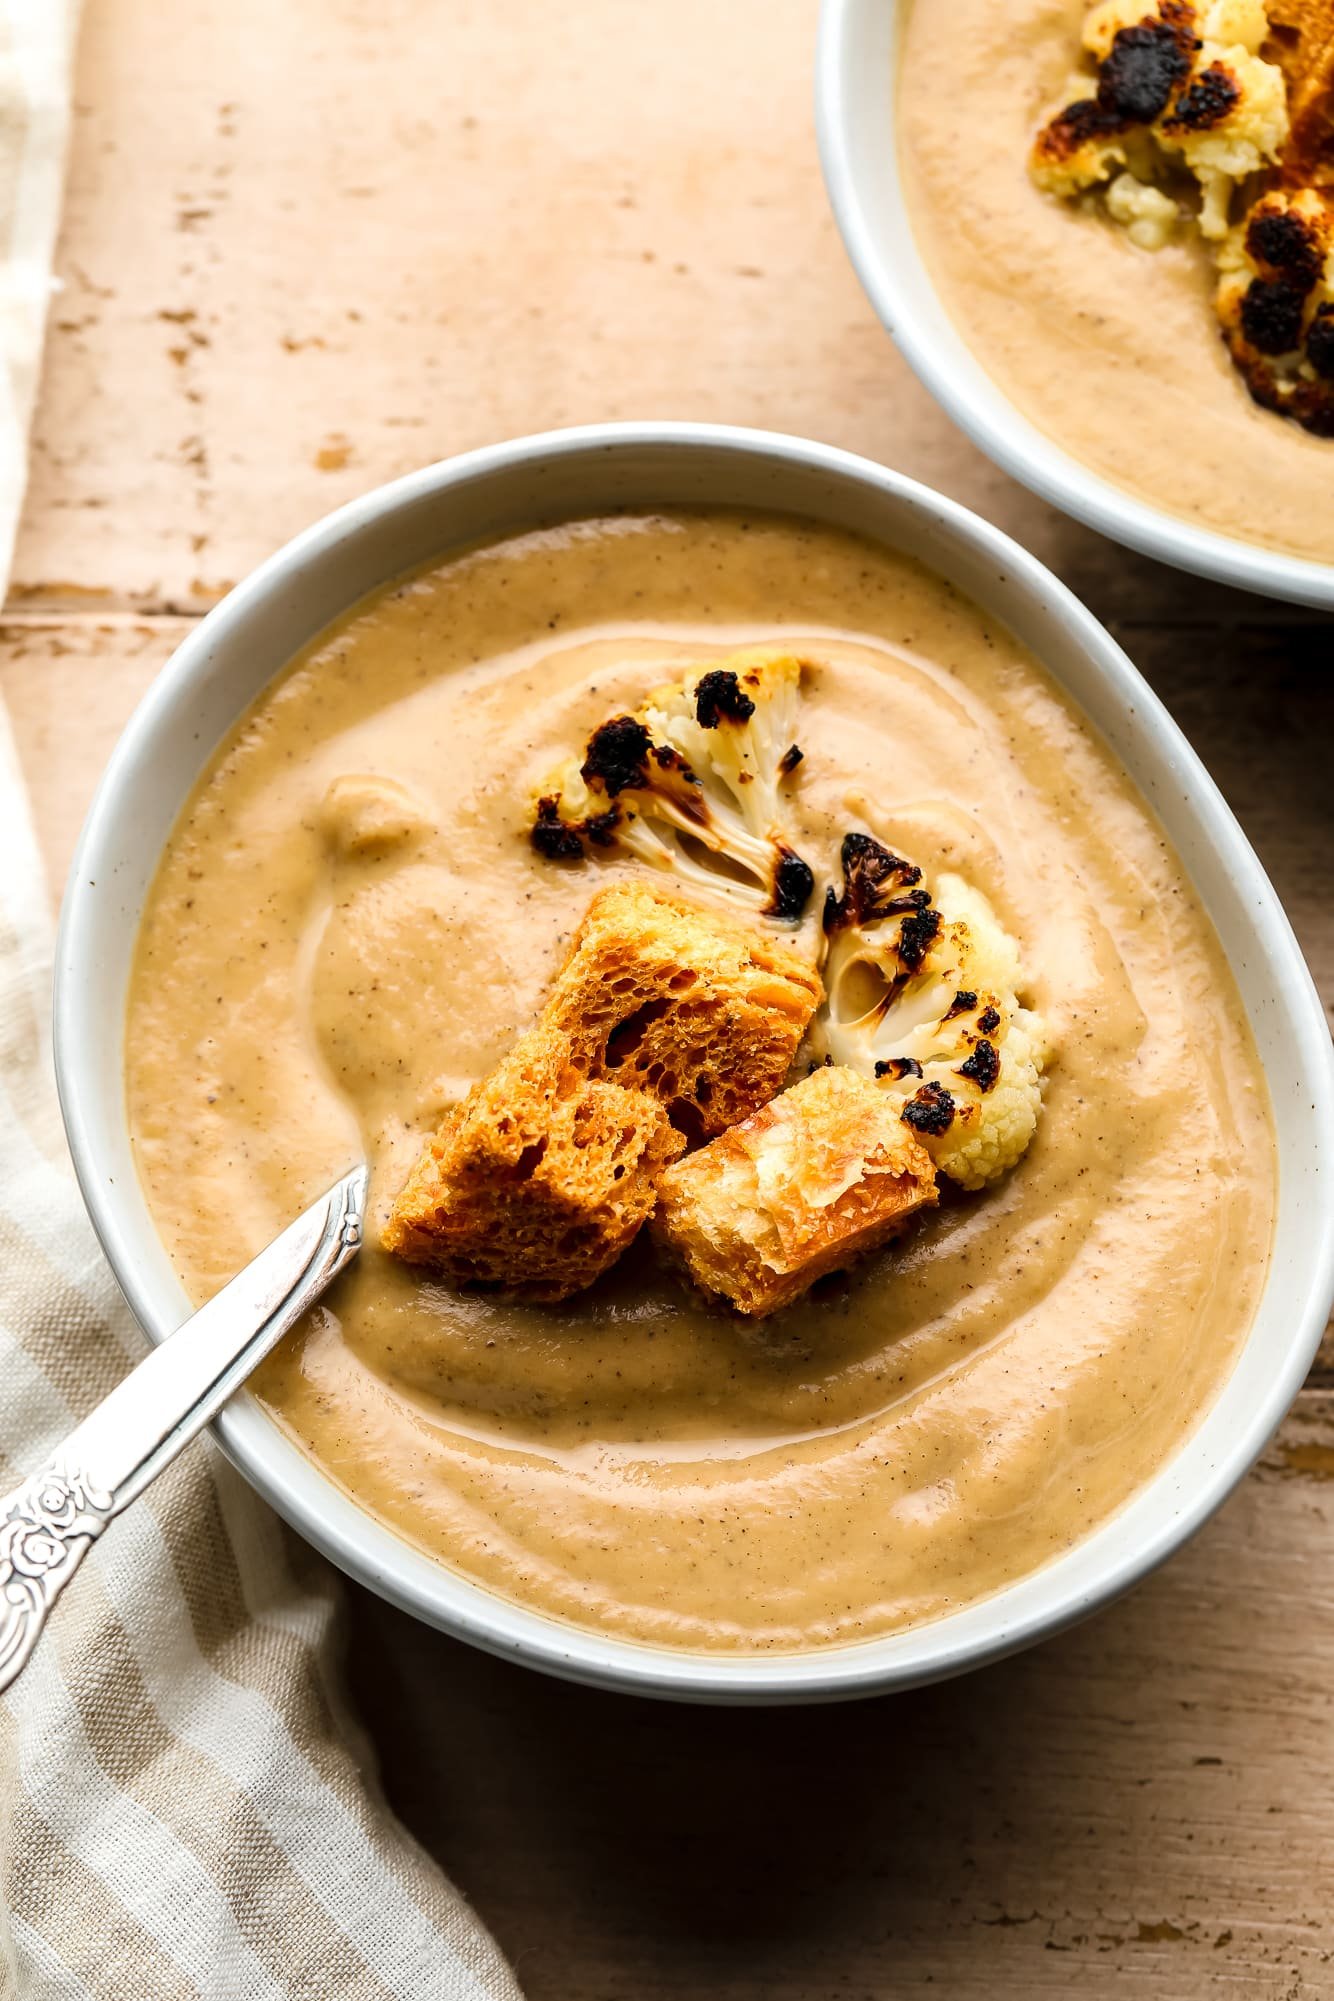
<point>1140,1808</point>
<point>311,246</point>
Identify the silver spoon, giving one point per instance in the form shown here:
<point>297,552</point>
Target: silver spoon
<point>48,1524</point>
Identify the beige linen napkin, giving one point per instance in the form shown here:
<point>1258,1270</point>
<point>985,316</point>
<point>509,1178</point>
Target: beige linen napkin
<point>184,1806</point>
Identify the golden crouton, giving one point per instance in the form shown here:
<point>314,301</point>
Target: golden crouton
<point>537,1181</point>
<point>1301,42</point>
<point>822,1174</point>
<point>702,1009</point>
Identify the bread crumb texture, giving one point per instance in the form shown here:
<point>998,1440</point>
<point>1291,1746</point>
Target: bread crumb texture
<point>824,1173</point>
<point>538,1181</point>
<point>699,1008</point>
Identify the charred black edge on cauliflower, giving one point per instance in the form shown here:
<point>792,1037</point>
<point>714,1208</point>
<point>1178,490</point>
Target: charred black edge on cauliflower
<point>1289,255</point>
<point>1135,81</point>
<point>878,884</point>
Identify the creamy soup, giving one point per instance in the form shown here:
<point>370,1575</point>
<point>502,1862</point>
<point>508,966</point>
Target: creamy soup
<point>960,1409</point>
<point>1113,351</point>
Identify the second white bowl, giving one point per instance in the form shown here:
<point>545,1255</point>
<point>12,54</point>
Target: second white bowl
<point>857,81</point>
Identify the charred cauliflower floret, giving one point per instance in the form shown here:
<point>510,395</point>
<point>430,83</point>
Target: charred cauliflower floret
<point>1220,95</point>
<point>1234,23</point>
<point>922,996</point>
<point>1176,86</point>
<point>1080,150</point>
<point>1276,303</point>
<point>736,726</point>
<point>1228,123</point>
<point>694,784</point>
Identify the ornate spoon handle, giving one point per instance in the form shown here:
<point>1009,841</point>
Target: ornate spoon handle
<point>49,1522</point>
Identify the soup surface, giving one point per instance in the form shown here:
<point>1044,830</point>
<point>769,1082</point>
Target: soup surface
<point>960,1409</point>
<point>1111,350</point>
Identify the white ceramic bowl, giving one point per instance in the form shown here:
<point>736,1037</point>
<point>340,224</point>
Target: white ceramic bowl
<point>227,660</point>
<point>857,75</point>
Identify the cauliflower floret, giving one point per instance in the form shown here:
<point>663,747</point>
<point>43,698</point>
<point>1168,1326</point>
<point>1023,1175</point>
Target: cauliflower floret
<point>1142,56</point>
<point>1228,122</point>
<point>736,726</point>
<point>976,1155</point>
<point>693,784</point>
<point>1176,86</point>
<point>1232,22</point>
<point>1077,150</point>
<point>1275,300</point>
<point>1235,23</point>
<point>1184,89</point>
<point>922,996</point>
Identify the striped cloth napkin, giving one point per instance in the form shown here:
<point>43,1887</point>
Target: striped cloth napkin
<point>185,1806</point>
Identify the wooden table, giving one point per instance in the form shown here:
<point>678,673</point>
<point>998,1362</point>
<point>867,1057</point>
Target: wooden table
<point>313,244</point>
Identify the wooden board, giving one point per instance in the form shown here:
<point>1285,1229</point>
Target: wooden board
<point>312,246</point>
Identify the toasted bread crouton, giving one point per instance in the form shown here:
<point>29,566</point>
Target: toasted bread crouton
<point>537,1181</point>
<point>699,1008</point>
<point>824,1173</point>
<point>1301,42</point>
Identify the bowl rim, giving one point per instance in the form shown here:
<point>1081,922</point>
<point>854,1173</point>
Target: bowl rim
<point>1038,1604</point>
<point>979,406</point>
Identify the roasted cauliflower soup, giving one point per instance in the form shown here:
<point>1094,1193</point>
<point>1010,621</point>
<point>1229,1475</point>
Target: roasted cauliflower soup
<point>350,925</point>
<point>1113,350</point>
